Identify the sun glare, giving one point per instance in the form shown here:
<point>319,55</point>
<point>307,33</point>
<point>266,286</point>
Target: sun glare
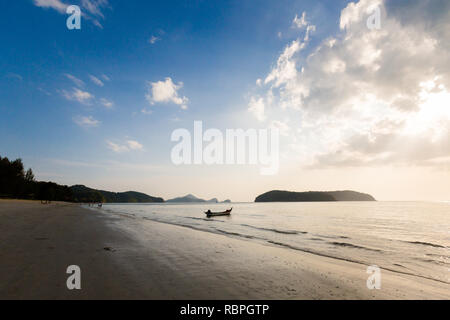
<point>434,111</point>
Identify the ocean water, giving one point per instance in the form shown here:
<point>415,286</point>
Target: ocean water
<point>406,237</point>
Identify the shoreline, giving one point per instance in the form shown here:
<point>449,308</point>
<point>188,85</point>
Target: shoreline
<point>122,257</point>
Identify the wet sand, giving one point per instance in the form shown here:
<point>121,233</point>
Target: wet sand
<point>123,257</point>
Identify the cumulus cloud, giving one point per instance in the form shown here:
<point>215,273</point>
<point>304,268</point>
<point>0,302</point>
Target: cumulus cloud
<point>368,97</point>
<point>166,92</point>
<point>83,121</point>
<point>129,145</point>
<point>285,69</point>
<point>282,126</point>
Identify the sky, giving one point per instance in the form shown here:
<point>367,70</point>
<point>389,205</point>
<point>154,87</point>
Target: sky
<point>357,107</point>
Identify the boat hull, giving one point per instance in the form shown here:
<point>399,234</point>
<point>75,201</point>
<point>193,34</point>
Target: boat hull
<point>216,214</point>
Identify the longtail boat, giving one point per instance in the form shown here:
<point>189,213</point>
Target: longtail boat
<point>209,213</point>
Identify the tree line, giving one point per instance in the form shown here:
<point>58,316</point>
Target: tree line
<point>16,183</point>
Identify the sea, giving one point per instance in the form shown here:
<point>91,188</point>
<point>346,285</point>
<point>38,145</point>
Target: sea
<point>405,237</point>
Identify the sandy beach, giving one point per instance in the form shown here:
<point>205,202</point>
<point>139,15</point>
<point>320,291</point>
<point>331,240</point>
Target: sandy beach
<point>123,257</point>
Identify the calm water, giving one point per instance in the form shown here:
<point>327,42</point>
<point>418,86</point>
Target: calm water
<point>408,237</point>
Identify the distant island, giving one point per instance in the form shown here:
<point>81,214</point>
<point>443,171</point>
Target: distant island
<point>82,193</point>
<point>18,183</point>
<point>313,196</point>
<point>191,198</point>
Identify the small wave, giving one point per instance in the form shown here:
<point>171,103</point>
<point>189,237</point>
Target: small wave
<point>204,219</point>
<point>350,245</point>
<point>235,234</point>
<point>332,237</point>
<point>441,263</point>
<point>426,244</point>
<point>283,245</point>
<point>275,230</point>
<point>306,250</point>
<point>399,265</point>
<point>126,215</point>
<point>438,255</point>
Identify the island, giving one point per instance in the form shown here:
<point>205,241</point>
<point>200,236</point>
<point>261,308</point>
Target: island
<point>191,198</point>
<point>81,193</point>
<point>313,196</point>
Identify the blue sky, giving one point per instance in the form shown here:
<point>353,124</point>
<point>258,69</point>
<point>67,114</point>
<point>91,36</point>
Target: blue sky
<point>216,50</point>
<point>77,105</point>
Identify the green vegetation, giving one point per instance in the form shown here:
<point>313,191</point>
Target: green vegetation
<point>82,193</point>
<point>313,196</point>
<point>16,183</point>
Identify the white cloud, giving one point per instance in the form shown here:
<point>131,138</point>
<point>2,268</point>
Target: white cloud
<point>116,147</point>
<point>128,146</point>
<point>309,29</point>
<point>334,65</point>
<point>44,91</point>
<point>105,77</point>
<point>283,127</point>
<point>75,80</point>
<point>83,121</point>
<point>166,92</point>
<point>146,111</point>
<point>96,80</point>
<point>367,97</point>
<point>134,145</point>
<point>286,66</point>
<point>91,9</point>
<point>106,103</point>
<point>153,39</point>
<point>94,7</point>
<point>53,4</point>
<point>16,76</point>
<point>355,13</point>
<point>256,107</point>
<point>97,23</point>
<point>300,22</point>
<point>82,97</point>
